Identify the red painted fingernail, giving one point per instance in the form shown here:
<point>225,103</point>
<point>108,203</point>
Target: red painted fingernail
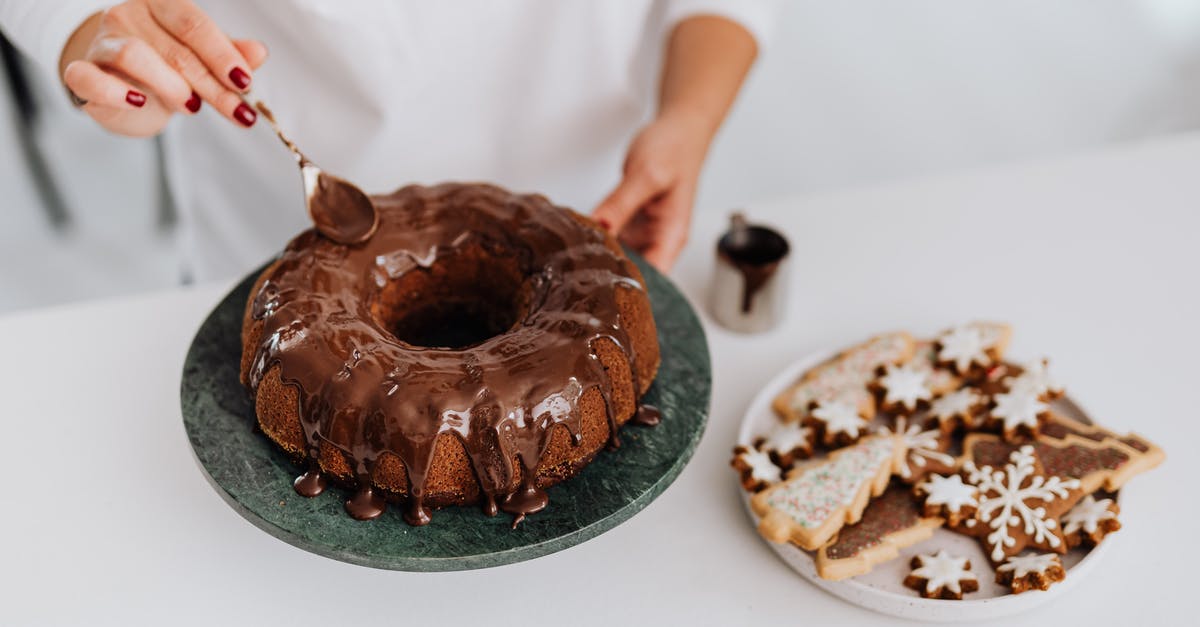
<point>604,224</point>
<point>193,103</point>
<point>244,114</point>
<point>239,77</point>
<point>135,98</point>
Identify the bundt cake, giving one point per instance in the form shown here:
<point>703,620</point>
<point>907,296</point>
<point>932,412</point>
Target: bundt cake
<point>480,347</point>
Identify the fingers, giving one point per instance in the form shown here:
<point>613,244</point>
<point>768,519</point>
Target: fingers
<point>99,88</point>
<point>188,64</point>
<point>191,27</point>
<point>134,59</point>
<point>253,51</point>
<point>639,187</point>
<point>672,220</point>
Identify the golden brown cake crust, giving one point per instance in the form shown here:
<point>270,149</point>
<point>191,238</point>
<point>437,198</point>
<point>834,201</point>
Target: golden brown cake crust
<point>552,267</point>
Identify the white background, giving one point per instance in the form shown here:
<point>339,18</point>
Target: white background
<point>849,94</point>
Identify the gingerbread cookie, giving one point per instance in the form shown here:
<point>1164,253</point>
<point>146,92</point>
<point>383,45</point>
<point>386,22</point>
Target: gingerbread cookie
<point>1033,377</point>
<point>925,450</point>
<point>1019,505</point>
<point>1019,411</point>
<point>941,576</point>
<point>977,344</point>
<point>844,378</point>
<point>755,468</point>
<point>1107,464</point>
<point>786,443</point>
<point>890,522</point>
<point>925,359</point>
<point>1030,572</point>
<point>839,423</point>
<point>948,497</point>
<point>818,498</point>
<point>959,409</point>
<point>1146,454</point>
<point>1090,521</point>
<point>902,388</point>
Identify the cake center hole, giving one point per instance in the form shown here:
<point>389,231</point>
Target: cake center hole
<point>463,299</point>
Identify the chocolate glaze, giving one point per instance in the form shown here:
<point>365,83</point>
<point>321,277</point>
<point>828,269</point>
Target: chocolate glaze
<point>647,415</point>
<point>367,393</point>
<point>755,252</point>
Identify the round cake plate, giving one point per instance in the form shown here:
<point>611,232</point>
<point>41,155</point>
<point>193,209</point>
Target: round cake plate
<point>255,477</point>
<point>882,590</point>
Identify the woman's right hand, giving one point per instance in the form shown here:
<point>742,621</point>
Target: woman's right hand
<point>138,62</point>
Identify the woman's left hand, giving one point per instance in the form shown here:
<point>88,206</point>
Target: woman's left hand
<point>651,209</point>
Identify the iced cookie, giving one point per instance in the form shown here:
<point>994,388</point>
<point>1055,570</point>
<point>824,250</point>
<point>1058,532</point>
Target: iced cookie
<point>891,522</point>
<point>941,576</point>
<point>844,378</point>
<point>1106,464</point>
<point>839,423</point>
<point>948,497</point>
<point>1019,505</point>
<point>1090,521</point>
<point>974,345</point>
<point>901,389</point>
<point>819,497</point>
<point>1146,454</point>
<point>755,468</point>
<point>1017,412</point>
<point>959,409</point>
<point>1037,571</point>
<point>924,450</point>
<point>786,443</point>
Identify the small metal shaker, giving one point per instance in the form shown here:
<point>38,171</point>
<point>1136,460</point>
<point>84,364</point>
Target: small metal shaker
<point>749,287</point>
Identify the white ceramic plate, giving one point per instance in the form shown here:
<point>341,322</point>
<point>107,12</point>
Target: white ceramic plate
<point>882,589</point>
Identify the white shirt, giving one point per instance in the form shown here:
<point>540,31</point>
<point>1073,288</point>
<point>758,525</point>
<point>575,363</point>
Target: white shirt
<point>535,95</point>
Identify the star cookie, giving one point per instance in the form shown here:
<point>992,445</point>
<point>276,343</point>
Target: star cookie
<point>755,467</point>
<point>948,497</point>
<point>838,422</point>
<point>975,344</point>
<point>1036,571</point>
<point>902,388</point>
<point>1090,521</point>
<point>941,576</point>
<point>786,443</point>
<point>957,409</point>
<point>925,450</point>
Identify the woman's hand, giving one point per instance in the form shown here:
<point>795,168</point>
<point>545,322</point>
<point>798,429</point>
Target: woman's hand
<point>651,209</point>
<point>140,61</point>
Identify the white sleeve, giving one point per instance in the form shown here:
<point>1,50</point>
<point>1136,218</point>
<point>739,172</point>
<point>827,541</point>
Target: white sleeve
<point>756,16</point>
<point>40,28</point>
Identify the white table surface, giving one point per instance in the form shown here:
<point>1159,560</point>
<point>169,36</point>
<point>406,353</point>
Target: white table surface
<point>1093,258</point>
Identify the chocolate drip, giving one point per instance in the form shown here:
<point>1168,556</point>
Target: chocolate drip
<point>311,483</point>
<point>369,394</point>
<point>647,415</point>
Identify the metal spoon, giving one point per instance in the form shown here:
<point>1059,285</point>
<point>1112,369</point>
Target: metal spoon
<point>338,208</point>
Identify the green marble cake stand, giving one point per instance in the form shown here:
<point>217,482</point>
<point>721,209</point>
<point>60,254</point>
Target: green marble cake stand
<point>255,478</point>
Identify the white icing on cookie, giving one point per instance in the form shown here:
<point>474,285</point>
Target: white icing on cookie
<point>942,570</point>
<point>921,447</point>
<point>957,403</point>
<point>1004,501</point>
<point>1087,515</point>
<point>840,417</point>
<point>950,492</point>
<point>905,385</point>
<point>1019,407</point>
<point>1036,563</point>
<point>761,466</point>
<point>1035,377</point>
<point>787,437</point>
<point>963,346</point>
<point>844,379</point>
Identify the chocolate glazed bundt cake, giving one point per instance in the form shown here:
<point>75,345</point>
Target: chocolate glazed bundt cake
<point>480,347</point>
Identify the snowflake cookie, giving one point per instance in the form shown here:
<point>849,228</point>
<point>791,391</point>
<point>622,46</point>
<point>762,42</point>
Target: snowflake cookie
<point>1035,571</point>
<point>755,468</point>
<point>786,443</point>
<point>1090,521</point>
<point>957,409</point>
<point>902,388</point>
<point>941,576</point>
<point>925,450</point>
<point>1019,506</point>
<point>948,497</point>
<point>974,344</point>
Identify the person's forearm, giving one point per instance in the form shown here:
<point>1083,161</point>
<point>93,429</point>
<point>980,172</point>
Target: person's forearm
<point>707,58</point>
